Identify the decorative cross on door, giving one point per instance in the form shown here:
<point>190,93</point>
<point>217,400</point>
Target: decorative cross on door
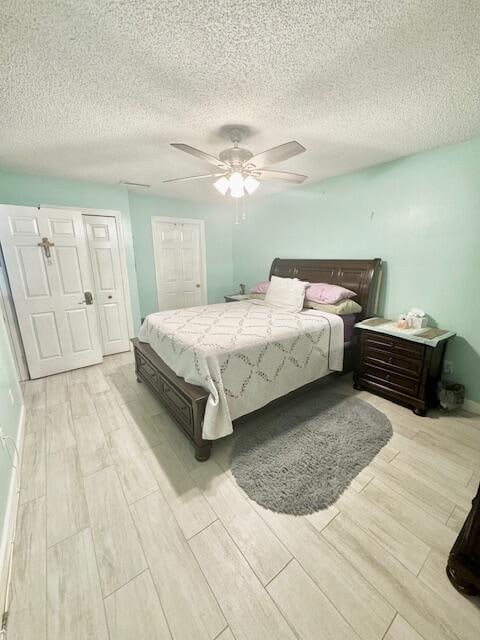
<point>46,244</point>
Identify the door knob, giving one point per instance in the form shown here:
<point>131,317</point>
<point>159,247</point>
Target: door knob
<point>198,286</point>
<point>88,298</point>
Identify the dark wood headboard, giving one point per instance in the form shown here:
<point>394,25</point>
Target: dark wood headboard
<point>361,276</point>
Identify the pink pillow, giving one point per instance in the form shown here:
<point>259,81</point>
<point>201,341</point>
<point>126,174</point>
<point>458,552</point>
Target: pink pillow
<point>324,293</point>
<point>260,287</point>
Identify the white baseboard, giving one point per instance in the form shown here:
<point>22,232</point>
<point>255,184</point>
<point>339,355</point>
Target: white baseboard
<point>8,531</point>
<point>472,406</point>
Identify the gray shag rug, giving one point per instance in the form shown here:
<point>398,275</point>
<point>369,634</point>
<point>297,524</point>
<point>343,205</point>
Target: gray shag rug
<point>299,457</point>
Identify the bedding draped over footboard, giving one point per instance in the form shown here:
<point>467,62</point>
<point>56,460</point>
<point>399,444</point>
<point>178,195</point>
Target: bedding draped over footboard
<point>246,354</point>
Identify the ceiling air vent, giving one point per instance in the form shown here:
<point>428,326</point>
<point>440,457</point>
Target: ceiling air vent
<point>136,185</point>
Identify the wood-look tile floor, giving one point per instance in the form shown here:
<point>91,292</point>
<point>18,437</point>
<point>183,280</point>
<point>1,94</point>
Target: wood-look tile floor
<point>121,534</point>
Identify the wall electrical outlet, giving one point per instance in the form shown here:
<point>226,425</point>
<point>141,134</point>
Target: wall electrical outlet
<point>448,367</point>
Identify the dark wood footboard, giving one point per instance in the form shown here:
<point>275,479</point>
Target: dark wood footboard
<point>184,402</point>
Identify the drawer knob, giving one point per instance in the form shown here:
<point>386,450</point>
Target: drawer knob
<point>390,360</point>
<point>387,377</point>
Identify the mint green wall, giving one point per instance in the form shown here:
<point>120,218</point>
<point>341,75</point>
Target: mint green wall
<point>218,240</point>
<point>23,189</point>
<point>420,214</point>
<point>9,413</point>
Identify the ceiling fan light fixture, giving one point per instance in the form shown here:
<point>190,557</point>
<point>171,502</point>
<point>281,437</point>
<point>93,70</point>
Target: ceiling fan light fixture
<point>250,184</point>
<point>222,185</point>
<point>236,185</point>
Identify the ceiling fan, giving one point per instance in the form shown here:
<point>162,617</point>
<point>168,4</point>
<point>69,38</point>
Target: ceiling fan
<point>240,171</point>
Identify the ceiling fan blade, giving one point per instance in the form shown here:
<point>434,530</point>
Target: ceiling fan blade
<point>277,154</point>
<point>199,154</point>
<point>206,175</point>
<point>280,176</point>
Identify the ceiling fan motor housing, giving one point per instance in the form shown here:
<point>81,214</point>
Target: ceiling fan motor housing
<point>235,157</point>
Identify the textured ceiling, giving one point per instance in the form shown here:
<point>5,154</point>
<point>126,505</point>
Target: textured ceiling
<point>96,89</point>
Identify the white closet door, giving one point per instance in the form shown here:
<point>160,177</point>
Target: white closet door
<point>178,264</point>
<point>57,320</point>
<point>107,274</point>
<point>188,238</point>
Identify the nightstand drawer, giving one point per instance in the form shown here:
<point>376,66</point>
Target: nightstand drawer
<point>390,380</point>
<point>377,340</point>
<point>390,344</point>
<point>405,365</point>
<point>411,349</point>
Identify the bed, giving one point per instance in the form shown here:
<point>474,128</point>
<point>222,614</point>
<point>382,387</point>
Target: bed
<point>211,365</point>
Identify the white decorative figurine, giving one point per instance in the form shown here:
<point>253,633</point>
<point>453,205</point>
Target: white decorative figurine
<point>417,319</point>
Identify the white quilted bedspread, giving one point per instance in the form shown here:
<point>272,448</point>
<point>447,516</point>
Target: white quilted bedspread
<point>245,354</point>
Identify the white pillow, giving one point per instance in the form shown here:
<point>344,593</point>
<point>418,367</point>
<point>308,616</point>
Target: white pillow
<point>287,293</point>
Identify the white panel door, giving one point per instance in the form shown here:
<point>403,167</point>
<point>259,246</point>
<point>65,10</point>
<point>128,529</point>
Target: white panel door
<point>48,282</point>
<point>178,264</point>
<point>107,275</point>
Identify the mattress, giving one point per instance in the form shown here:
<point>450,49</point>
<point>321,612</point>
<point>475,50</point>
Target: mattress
<point>246,354</point>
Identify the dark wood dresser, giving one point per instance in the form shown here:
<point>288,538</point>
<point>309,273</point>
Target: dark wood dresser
<point>403,368</point>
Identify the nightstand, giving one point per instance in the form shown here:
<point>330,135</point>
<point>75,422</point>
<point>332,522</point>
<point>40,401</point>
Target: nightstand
<point>401,365</point>
<point>236,297</point>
